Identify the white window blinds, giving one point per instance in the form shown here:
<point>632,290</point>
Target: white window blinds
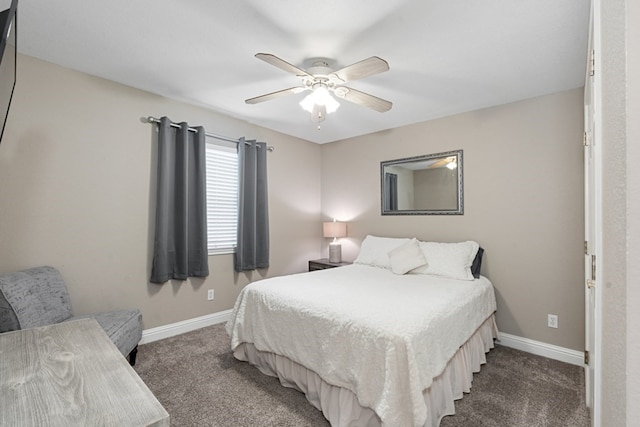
<point>222,196</point>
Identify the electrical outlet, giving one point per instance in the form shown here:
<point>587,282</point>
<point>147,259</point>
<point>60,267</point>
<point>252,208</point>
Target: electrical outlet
<point>552,320</point>
<point>210,295</point>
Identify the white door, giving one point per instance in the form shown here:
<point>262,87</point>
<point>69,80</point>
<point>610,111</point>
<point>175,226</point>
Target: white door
<point>590,243</point>
<point>593,219</point>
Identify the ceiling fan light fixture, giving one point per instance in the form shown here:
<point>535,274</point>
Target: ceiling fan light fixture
<point>320,97</point>
<point>307,103</point>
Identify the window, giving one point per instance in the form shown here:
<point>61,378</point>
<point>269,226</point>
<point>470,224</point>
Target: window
<point>222,196</point>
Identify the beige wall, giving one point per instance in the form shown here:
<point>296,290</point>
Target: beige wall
<point>75,178</point>
<point>523,202</point>
<point>621,201</point>
<point>614,215</point>
<point>633,212</point>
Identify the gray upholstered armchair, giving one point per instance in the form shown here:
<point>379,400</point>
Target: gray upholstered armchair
<point>39,297</point>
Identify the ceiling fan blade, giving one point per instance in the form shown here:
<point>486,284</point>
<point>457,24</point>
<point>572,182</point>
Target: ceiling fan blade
<point>363,99</point>
<point>364,68</point>
<point>273,95</point>
<point>439,163</point>
<point>282,64</point>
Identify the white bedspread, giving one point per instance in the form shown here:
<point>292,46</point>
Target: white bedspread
<point>380,335</point>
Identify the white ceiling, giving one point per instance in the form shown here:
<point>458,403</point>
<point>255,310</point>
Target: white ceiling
<point>445,56</point>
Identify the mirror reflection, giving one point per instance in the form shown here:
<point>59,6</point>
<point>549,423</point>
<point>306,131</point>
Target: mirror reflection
<point>422,185</point>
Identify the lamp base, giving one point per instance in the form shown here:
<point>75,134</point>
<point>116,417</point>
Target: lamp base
<point>335,252</point>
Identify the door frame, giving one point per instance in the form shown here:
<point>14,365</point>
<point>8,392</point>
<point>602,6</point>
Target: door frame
<point>593,217</point>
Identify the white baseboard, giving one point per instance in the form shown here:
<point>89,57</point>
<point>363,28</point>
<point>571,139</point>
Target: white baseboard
<point>530,346</point>
<point>166,331</point>
<point>542,349</point>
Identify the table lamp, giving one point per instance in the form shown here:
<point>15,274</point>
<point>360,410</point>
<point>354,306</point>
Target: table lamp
<point>334,229</point>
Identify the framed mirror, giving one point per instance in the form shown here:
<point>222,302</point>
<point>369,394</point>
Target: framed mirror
<point>423,185</point>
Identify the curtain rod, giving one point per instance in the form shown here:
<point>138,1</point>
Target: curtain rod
<point>151,119</point>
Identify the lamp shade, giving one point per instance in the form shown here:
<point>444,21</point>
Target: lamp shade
<point>334,229</point>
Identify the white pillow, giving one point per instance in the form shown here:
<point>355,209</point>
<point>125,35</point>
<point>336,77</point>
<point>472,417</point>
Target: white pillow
<point>374,250</point>
<point>452,260</point>
<point>406,257</point>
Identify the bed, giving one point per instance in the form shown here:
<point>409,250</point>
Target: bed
<point>391,340</point>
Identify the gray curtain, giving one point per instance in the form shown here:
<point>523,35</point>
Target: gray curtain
<point>391,191</point>
<point>253,209</point>
<point>180,246</point>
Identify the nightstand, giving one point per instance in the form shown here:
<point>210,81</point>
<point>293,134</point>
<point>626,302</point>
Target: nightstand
<point>322,264</point>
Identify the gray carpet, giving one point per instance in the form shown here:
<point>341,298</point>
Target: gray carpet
<point>198,381</point>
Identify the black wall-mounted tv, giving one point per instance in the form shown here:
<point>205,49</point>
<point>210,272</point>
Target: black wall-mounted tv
<point>8,38</point>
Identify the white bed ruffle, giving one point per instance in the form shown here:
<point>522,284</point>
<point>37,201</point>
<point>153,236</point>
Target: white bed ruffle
<point>340,406</point>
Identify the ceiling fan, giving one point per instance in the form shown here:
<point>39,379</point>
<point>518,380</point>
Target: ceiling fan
<point>322,81</point>
<point>449,162</point>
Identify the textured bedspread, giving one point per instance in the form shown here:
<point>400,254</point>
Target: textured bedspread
<point>380,335</point>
